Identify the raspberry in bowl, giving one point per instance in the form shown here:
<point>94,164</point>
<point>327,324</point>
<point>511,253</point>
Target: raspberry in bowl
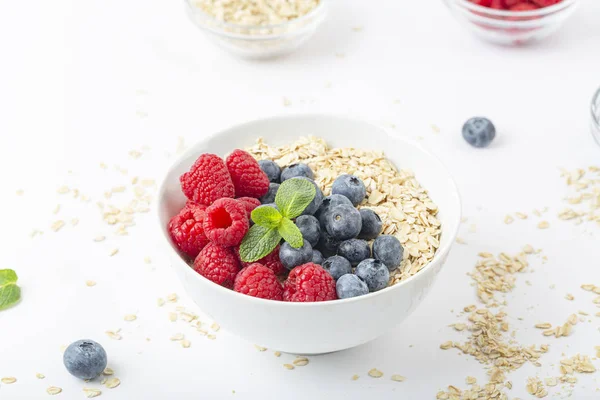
<point>512,22</point>
<point>378,242</point>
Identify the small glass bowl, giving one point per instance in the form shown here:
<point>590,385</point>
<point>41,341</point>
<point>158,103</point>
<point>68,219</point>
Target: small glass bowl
<point>596,116</point>
<point>258,42</point>
<point>511,27</point>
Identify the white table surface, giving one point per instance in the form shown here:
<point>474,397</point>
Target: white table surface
<point>86,82</point>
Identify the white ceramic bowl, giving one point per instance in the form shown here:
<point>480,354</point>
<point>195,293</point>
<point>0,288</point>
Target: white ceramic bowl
<point>311,328</point>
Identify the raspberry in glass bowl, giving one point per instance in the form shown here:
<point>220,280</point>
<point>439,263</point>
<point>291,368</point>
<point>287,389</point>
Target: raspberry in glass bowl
<point>512,22</point>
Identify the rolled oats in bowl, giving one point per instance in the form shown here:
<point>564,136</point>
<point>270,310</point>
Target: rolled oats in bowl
<point>257,29</point>
<point>405,208</point>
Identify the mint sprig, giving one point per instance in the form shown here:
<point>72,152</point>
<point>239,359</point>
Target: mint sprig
<point>10,293</point>
<point>271,225</point>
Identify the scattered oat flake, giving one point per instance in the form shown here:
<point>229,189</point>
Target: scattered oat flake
<point>521,215</point>
<point>20,192</point>
<point>130,317</point>
<point>398,378</point>
<point>113,335</point>
<point>277,354</point>
<point>471,380</point>
<point>508,219</point>
<point>211,337</point>
<point>108,371</point>
<point>460,240</point>
<point>56,209</point>
<point>286,102</point>
<point>260,348</point>
<point>288,366</point>
<point>172,298</point>
<point>569,297</point>
<point>446,345</point>
<point>90,393</point>
<point>99,238</point>
<point>375,373</point>
<point>177,337</point>
<point>160,302</point>
<point>90,283</point>
<point>543,325</point>
<point>147,260</point>
<point>40,376</point>
<point>354,377</point>
<point>300,361</point>
<point>215,327</point>
<point>63,190</point>
<point>185,343</point>
<point>543,225</point>
<point>57,225</point>
<point>172,316</point>
<point>52,390</point>
<point>8,380</point>
<point>112,383</point>
<point>113,252</point>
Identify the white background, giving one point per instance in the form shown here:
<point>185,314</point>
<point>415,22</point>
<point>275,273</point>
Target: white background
<point>84,82</point>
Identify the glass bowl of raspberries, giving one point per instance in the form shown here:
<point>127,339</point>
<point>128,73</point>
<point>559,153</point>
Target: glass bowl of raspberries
<point>512,22</point>
<point>278,257</point>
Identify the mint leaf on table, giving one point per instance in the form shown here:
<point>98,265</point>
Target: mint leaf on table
<point>258,242</point>
<point>293,196</point>
<point>268,217</point>
<point>10,293</point>
<point>290,233</point>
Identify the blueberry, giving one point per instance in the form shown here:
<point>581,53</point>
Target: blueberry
<point>291,257</point>
<point>329,202</point>
<point>375,274</point>
<point>388,249</point>
<point>350,285</point>
<point>310,228</point>
<point>272,170</point>
<point>343,222</point>
<point>317,257</point>
<point>327,244</point>
<point>354,250</point>
<point>337,266</point>
<point>316,201</point>
<point>371,224</point>
<point>85,359</point>
<point>270,196</point>
<point>351,187</point>
<point>479,132</point>
<point>296,170</point>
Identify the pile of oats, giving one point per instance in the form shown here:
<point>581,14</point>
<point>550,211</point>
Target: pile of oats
<point>493,274</point>
<point>586,187</point>
<point>395,194</point>
<point>256,12</point>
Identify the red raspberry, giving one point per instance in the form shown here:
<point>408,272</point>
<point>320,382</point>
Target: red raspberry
<point>186,229</point>
<point>498,5</point>
<point>483,3</point>
<point>218,264</point>
<point>249,180</point>
<point>309,282</point>
<point>524,7</point>
<point>546,3</point>
<point>270,261</point>
<point>226,222</point>
<point>256,280</point>
<point>250,203</point>
<point>207,180</point>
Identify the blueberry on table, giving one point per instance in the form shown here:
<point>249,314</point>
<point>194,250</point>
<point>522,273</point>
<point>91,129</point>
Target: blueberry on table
<point>350,186</point>
<point>388,249</point>
<point>337,266</point>
<point>350,285</point>
<point>375,274</point>
<point>343,222</point>
<point>272,170</point>
<point>371,224</point>
<point>271,193</point>
<point>479,132</point>
<point>317,257</point>
<point>85,359</point>
<point>291,257</point>
<point>310,228</point>
<point>316,201</point>
<point>354,250</point>
<point>296,170</point>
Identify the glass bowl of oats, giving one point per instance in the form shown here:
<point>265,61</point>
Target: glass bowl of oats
<point>595,109</point>
<point>257,30</point>
<point>408,187</point>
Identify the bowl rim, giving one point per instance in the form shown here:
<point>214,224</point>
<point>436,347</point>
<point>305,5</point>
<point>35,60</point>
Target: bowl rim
<point>595,108</point>
<point>319,9</point>
<point>491,12</point>
<point>439,255</point>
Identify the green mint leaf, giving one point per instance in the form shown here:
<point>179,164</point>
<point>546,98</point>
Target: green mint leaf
<point>7,276</point>
<point>293,196</point>
<point>290,233</point>
<point>268,217</point>
<point>10,293</point>
<point>258,242</point>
